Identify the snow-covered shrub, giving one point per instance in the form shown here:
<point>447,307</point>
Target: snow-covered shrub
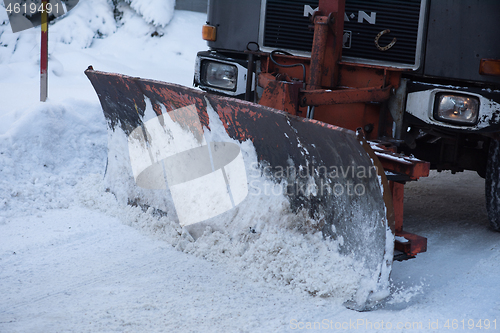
<point>91,19</point>
<point>156,12</point>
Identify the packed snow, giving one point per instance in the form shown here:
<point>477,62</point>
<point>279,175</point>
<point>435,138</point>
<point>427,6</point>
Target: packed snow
<point>74,259</point>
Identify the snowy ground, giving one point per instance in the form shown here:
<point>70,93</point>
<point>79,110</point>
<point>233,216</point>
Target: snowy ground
<point>72,260</point>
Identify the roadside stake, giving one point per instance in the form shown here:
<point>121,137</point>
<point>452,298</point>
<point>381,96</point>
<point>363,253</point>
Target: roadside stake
<point>44,53</point>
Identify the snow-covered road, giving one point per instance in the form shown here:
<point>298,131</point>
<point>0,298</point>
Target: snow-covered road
<point>80,270</point>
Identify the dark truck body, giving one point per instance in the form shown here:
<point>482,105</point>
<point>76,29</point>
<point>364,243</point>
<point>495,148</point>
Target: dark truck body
<point>440,43</point>
<point>456,34</point>
<point>445,53</point>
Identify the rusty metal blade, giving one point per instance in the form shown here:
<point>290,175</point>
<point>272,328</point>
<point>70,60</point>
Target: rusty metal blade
<point>323,170</point>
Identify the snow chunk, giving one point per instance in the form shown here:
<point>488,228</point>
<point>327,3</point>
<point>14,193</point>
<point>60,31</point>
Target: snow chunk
<point>156,12</point>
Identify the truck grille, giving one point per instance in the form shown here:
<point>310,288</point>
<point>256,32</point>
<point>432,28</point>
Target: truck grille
<point>286,27</point>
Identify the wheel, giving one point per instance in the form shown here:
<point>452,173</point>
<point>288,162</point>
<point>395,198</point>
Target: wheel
<point>492,185</point>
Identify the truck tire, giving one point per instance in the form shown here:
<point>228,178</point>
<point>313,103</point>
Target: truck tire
<point>492,185</point>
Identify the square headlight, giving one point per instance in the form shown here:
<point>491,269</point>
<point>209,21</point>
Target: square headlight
<point>219,75</point>
<point>456,109</point>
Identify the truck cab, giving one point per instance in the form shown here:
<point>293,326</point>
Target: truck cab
<point>420,76</point>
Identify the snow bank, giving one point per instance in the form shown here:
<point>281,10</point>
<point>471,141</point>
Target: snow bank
<point>282,257</point>
<point>44,150</point>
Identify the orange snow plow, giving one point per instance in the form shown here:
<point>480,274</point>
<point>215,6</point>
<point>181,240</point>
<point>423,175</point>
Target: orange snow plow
<point>311,134</point>
<point>198,157</point>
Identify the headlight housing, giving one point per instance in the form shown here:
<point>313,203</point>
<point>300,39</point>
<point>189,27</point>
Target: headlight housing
<point>456,109</point>
<point>219,75</point>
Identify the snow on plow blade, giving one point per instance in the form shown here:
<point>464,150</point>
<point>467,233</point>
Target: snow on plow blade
<point>203,159</point>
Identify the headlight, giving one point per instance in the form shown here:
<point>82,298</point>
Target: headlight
<point>456,109</point>
<point>219,75</point>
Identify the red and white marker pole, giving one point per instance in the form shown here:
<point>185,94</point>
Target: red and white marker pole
<point>44,54</point>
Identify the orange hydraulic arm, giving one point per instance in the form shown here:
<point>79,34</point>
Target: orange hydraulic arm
<point>349,95</point>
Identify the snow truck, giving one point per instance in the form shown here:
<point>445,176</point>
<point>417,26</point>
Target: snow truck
<point>419,77</point>
<point>318,110</point>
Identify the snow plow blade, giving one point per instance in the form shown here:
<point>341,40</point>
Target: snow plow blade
<point>202,158</point>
